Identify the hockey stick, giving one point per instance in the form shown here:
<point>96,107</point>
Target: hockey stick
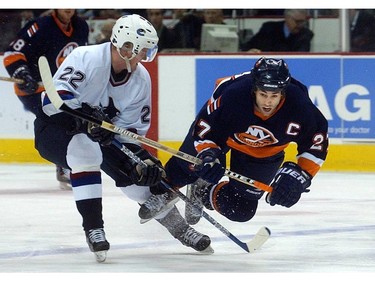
<point>255,243</point>
<point>9,79</point>
<point>59,104</point>
<point>15,80</point>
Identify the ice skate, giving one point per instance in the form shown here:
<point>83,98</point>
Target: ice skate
<point>156,205</point>
<point>98,244</point>
<point>196,240</point>
<point>184,233</point>
<point>63,177</point>
<point>195,192</point>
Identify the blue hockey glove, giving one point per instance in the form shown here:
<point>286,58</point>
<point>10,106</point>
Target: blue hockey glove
<point>211,170</point>
<point>29,85</point>
<point>288,185</point>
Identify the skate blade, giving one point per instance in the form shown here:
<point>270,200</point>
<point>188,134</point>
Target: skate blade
<point>65,186</point>
<point>100,256</point>
<point>208,251</point>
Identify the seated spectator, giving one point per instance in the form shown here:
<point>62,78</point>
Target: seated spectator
<point>289,35</point>
<point>187,27</point>
<point>26,16</point>
<point>167,37</point>
<point>214,16</point>
<point>362,31</point>
<point>105,31</point>
<point>110,13</point>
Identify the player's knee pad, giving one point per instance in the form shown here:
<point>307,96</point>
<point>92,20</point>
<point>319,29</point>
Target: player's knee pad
<point>234,202</point>
<point>83,154</point>
<point>137,193</point>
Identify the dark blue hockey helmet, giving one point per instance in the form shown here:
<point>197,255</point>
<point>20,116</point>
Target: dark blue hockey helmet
<point>270,74</point>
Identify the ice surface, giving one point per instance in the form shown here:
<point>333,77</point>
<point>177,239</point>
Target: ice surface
<point>331,230</point>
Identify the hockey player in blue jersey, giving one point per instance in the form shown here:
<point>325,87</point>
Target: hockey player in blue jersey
<point>255,115</point>
<point>109,82</point>
<point>54,36</point>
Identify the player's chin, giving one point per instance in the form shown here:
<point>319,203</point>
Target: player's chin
<point>267,111</point>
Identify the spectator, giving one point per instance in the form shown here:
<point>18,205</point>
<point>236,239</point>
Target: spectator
<point>85,13</point>
<point>214,16</point>
<point>26,16</point>
<point>188,27</point>
<point>105,31</point>
<point>362,31</point>
<point>167,37</point>
<point>289,35</point>
<point>110,13</point>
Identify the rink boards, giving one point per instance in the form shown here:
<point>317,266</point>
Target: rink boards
<point>341,86</point>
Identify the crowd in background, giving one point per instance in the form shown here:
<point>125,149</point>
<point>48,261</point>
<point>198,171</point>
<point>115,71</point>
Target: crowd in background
<point>183,30</point>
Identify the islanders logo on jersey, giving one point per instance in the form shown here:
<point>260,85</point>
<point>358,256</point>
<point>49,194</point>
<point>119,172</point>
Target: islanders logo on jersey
<point>256,136</point>
<point>65,51</point>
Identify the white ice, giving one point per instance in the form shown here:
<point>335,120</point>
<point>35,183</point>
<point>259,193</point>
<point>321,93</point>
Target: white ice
<point>331,230</point>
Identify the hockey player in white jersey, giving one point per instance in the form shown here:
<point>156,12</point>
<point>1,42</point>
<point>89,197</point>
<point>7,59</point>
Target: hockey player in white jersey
<point>108,82</point>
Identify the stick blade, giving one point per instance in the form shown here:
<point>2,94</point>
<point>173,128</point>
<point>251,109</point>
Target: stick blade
<point>259,239</point>
<point>45,73</point>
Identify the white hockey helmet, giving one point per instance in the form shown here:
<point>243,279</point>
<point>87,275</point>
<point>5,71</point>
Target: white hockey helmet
<point>138,31</point>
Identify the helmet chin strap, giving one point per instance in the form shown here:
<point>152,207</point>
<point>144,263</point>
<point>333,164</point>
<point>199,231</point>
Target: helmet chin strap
<point>127,61</point>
